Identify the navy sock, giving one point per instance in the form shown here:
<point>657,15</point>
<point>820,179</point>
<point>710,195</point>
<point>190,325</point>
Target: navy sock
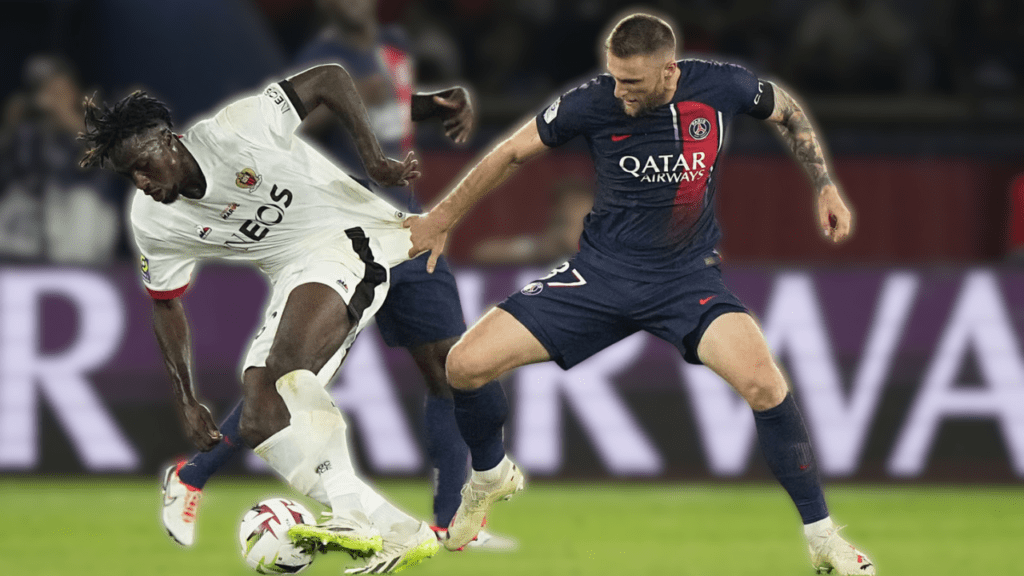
<point>203,465</point>
<point>448,457</point>
<point>787,448</point>
<point>480,414</point>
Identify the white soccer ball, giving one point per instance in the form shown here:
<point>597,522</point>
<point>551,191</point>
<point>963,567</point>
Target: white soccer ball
<point>263,536</point>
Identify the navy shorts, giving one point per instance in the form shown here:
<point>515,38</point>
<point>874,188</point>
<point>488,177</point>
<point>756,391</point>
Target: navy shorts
<point>576,312</point>
<point>420,307</point>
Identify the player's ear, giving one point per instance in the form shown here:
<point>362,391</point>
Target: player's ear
<point>670,68</point>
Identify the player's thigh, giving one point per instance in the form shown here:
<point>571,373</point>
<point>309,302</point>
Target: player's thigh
<point>494,345</point>
<point>734,347</point>
<point>317,307</point>
<point>574,312</point>
<point>421,308</point>
<point>314,324</point>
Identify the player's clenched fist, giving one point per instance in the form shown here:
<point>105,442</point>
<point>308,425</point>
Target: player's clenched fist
<point>834,216</point>
<point>427,236</point>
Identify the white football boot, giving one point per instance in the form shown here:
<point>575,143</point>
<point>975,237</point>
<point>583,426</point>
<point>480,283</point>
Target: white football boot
<point>400,552</point>
<point>180,506</point>
<point>477,499</point>
<point>352,533</point>
<point>830,554</point>
<point>485,541</point>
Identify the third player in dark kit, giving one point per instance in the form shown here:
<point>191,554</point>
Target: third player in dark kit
<point>654,126</point>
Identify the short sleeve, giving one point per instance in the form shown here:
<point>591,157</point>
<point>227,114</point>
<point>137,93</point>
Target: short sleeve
<point>566,117</point>
<point>271,116</point>
<point>748,94</point>
<point>165,273</point>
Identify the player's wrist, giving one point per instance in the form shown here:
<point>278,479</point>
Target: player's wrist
<point>823,184</point>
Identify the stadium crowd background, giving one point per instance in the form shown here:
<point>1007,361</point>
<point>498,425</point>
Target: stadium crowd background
<point>921,103</point>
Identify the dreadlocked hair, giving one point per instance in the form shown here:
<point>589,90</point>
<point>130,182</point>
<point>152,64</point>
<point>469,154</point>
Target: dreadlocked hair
<point>106,127</point>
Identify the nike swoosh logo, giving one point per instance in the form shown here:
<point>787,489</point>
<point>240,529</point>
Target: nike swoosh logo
<point>620,137</point>
<point>167,479</point>
<point>704,301</point>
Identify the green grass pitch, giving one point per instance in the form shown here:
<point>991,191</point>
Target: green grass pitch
<point>110,527</point>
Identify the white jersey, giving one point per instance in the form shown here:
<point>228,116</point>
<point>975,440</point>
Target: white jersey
<point>270,199</point>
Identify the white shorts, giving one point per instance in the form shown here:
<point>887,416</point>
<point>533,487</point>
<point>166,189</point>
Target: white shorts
<point>348,267</point>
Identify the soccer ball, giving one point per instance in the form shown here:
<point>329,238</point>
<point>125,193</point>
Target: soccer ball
<point>263,536</point>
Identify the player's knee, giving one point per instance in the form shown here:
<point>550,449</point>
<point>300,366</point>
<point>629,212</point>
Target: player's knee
<point>281,361</point>
<point>431,359</point>
<point>466,371</point>
<point>763,387</point>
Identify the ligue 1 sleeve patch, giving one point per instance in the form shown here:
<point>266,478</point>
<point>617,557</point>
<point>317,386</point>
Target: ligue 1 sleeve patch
<point>552,110</point>
<point>144,266</point>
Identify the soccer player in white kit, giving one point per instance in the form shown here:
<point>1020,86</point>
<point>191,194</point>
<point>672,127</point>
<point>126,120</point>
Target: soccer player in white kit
<point>242,186</point>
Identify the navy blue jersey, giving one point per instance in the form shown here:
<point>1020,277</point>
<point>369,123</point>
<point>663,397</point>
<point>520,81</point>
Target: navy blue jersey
<point>390,118</point>
<point>653,215</point>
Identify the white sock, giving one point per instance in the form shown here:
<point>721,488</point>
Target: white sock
<point>819,529</point>
<point>284,453</point>
<point>493,475</point>
<point>324,431</point>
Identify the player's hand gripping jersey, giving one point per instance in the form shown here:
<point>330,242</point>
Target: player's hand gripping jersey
<point>653,208</point>
<point>271,199</point>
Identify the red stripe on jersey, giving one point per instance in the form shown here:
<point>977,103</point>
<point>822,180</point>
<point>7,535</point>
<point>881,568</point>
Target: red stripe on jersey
<point>698,129</point>
<point>399,66</point>
<point>167,295</point>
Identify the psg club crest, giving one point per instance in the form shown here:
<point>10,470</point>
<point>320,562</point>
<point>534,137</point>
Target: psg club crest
<point>700,128</point>
<point>532,288</point>
<point>144,266</point>
<point>248,179</point>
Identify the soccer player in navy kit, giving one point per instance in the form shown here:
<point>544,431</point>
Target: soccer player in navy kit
<point>647,261</point>
<point>422,312</point>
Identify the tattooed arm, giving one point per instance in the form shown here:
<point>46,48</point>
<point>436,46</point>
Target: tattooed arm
<point>798,134</point>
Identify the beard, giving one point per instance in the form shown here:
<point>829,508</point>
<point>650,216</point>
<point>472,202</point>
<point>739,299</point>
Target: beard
<point>643,105</point>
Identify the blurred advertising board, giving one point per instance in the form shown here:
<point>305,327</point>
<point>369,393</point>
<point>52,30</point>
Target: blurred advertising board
<point>910,374</point>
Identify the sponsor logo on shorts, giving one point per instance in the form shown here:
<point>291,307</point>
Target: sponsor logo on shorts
<point>700,128</point>
<point>247,179</point>
<point>323,467</point>
<point>203,231</point>
<point>144,265</point>
<point>532,288</point>
<point>227,212</point>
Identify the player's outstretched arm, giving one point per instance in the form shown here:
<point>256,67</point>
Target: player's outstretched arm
<point>797,131</point>
<point>430,231</point>
<point>331,85</point>
<point>452,106</point>
<point>171,326</point>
